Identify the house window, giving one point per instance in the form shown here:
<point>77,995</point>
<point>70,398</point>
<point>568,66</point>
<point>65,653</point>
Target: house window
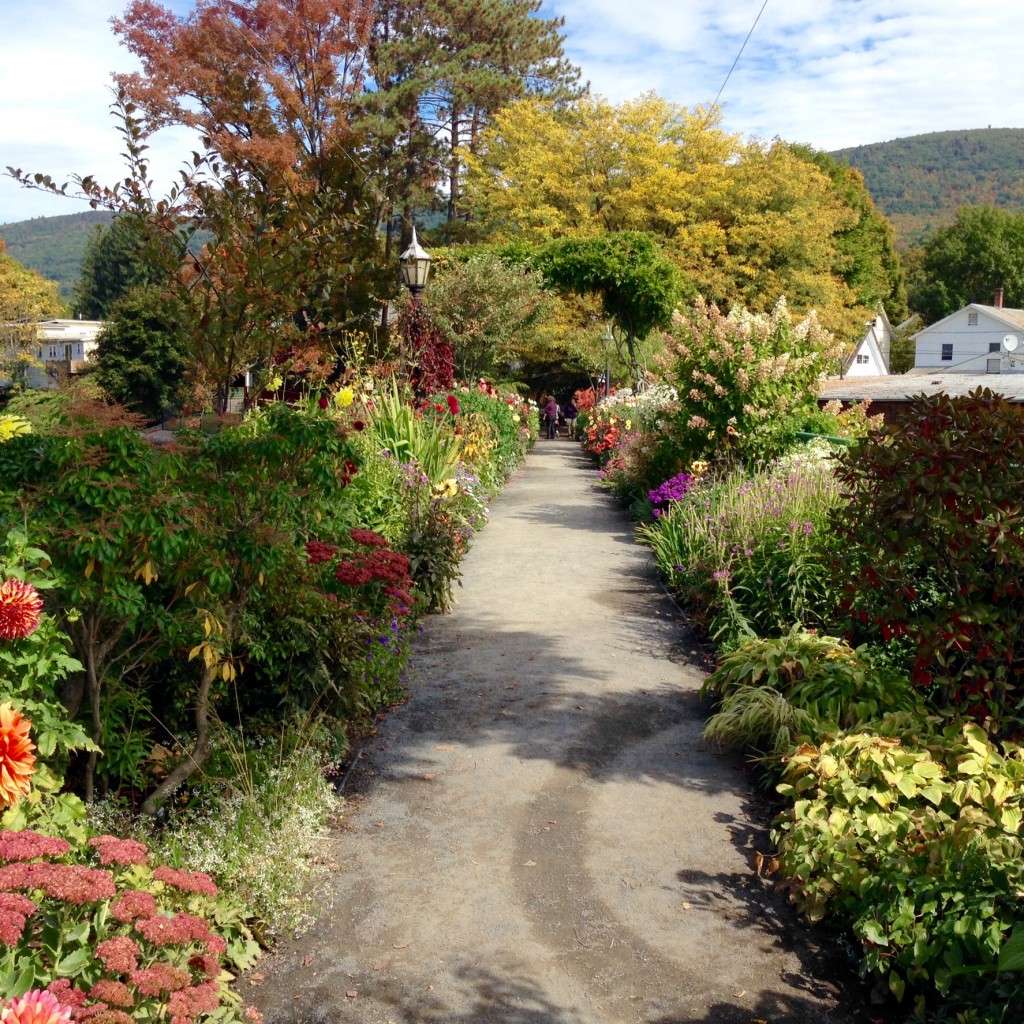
<point>972,319</point>
<point>993,346</point>
<point>862,358</point>
<point>992,365</point>
<point>947,352</point>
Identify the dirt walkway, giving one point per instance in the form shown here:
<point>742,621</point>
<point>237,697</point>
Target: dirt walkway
<point>539,836</point>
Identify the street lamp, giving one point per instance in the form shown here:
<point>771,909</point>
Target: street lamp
<point>414,266</point>
<point>607,339</point>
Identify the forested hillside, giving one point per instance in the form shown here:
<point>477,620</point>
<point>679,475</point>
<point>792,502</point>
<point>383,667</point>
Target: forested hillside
<point>53,245</point>
<point>921,181</point>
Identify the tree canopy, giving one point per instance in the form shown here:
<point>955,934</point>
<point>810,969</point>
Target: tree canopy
<point>746,223</point>
<point>968,261</point>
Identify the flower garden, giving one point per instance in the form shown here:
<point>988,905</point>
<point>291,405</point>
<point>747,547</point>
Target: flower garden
<point>863,596</point>
<point>191,636</point>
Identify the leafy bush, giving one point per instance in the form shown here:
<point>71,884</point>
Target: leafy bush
<point>748,554</point>
<point>934,549</point>
<point>774,691</point>
<point>917,846</point>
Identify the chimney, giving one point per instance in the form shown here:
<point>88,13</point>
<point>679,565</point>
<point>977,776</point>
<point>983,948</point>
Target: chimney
<point>998,300</point>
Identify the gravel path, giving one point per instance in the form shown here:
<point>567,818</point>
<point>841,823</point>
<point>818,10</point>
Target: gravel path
<point>538,836</point>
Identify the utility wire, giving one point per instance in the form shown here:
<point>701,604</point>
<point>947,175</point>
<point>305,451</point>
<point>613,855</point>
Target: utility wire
<point>737,60</point>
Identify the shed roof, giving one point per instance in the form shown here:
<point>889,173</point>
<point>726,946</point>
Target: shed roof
<point>904,386</point>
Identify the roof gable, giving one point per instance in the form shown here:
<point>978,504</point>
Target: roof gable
<point>1011,318</point>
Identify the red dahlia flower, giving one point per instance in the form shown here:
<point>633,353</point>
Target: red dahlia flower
<point>20,605</point>
<point>17,762</point>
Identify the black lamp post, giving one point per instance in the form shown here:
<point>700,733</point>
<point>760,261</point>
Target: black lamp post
<point>414,266</point>
<point>607,340</point>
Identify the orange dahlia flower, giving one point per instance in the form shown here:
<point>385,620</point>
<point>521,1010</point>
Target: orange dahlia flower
<point>20,605</point>
<point>38,1007</point>
<point>17,762</point>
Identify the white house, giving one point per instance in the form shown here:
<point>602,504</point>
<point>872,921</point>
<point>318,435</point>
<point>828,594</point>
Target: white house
<point>63,346</point>
<point>871,357</point>
<point>971,341</point>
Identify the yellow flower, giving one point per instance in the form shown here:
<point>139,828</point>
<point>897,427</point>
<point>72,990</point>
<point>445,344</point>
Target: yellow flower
<point>12,426</point>
<point>629,424</point>
<point>345,397</point>
<point>700,466</point>
<point>446,488</point>
<point>515,417</point>
<point>275,382</point>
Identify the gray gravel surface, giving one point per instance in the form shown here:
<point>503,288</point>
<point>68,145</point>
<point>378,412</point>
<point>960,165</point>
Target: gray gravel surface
<point>539,836</point>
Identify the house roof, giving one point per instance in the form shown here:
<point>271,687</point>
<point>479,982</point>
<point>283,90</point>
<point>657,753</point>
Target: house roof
<point>1012,318</point>
<point>904,386</point>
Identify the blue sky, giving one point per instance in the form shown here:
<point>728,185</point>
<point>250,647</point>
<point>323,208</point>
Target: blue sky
<point>830,73</point>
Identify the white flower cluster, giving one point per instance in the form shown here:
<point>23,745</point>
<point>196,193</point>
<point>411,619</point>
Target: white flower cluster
<point>644,407</point>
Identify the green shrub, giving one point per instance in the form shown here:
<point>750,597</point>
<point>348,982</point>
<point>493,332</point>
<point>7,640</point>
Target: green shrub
<point>774,692</point>
<point>933,549</point>
<point>749,554</point>
<point>917,847</point>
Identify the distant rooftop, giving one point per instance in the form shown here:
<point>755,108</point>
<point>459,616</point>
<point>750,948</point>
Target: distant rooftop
<point>902,387</point>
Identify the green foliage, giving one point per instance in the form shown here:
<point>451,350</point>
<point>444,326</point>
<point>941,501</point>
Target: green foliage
<point>489,311</point>
<point>638,285</point>
<point>917,848</point>
<point>396,427</point>
<point>982,251</point>
<point>814,684</point>
<point>933,549</point>
<point>749,553</point>
<point>116,261</point>
<point>140,358</point>
<point>99,913</point>
<point>744,380</point>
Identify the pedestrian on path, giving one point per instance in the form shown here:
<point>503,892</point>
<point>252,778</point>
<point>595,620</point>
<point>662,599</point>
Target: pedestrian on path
<point>570,412</point>
<point>551,410</point>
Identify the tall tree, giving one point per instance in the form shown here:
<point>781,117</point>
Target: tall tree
<point>867,256</point>
<point>490,310</point>
<point>968,261</point>
<point>25,298</point>
<point>440,70</point>
<point>544,170</point>
<point>115,261</point>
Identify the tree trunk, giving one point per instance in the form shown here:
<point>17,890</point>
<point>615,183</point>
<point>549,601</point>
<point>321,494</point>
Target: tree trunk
<point>453,174</point>
<point>200,749</point>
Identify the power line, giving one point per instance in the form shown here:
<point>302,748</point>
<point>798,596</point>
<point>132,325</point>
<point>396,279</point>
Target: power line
<point>738,55</point>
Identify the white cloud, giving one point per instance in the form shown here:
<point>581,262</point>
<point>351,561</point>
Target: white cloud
<point>56,62</point>
<point>830,73</point>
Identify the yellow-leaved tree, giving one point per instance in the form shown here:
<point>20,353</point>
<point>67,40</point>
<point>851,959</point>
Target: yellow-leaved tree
<point>746,222</point>
<point>26,297</point>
